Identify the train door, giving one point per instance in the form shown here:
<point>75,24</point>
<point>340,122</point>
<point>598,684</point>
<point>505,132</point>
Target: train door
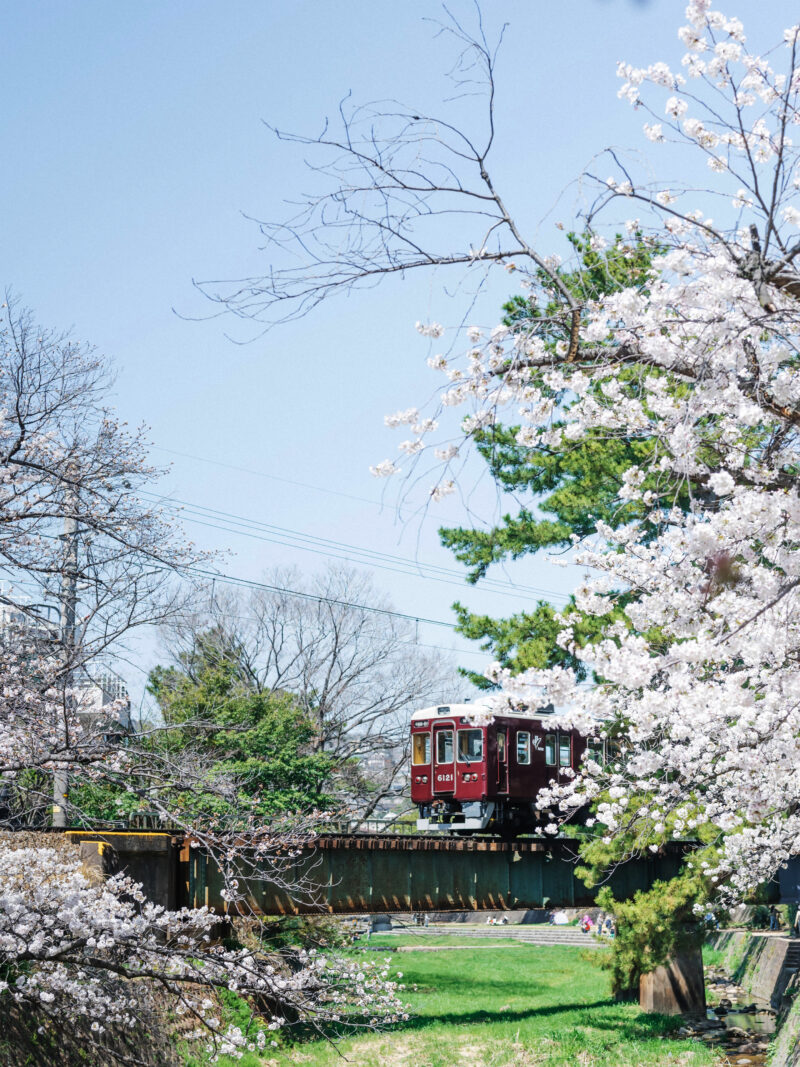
<point>519,763</point>
<point>550,756</point>
<point>502,760</point>
<point>444,768</point>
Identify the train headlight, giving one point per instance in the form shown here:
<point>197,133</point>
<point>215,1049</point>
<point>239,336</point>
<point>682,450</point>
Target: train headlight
<point>425,778</point>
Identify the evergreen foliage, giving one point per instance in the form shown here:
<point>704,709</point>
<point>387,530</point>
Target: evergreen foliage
<point>570,488</point>
<point>652,927</point>
<point>259,739</point>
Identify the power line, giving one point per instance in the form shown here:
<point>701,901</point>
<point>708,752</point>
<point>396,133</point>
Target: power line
<point>255,529</point>
<point>229,579</point>
<point>271,477</point>
<point>252,583</point>
<point>404,644</point>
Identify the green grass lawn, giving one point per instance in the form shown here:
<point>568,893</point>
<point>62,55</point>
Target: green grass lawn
<point>515,1006</point>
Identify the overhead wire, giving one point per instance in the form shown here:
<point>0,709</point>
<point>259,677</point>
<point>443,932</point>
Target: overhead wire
<point>202,515</point>
<point>410,644</point>
<point>302,594</point>
<point>271,477</point>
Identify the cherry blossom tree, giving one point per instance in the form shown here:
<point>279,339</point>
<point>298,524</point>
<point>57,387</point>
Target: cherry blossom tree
<point>74,948</point>
<point>702,362</point>
<point>698,678</point>
<point>86,562</point>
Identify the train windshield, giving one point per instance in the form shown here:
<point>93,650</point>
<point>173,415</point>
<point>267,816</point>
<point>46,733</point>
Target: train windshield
<point>421,748</point>
<point>470,746</point>
<point>444,746</point>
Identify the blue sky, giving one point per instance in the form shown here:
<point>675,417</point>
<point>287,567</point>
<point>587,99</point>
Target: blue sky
<point>133,145</point>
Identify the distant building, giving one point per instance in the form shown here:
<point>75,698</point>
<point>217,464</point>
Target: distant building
<point>377,763</point>
<point>38,624</point>
<point>95,697</point>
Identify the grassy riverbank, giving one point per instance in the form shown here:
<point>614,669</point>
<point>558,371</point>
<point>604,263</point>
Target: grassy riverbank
<point>503,1006</point>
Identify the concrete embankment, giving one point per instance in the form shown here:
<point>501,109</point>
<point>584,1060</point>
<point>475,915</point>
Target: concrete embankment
<point>767,967</point>
<point>762,964</point>
<point>787,1044</point>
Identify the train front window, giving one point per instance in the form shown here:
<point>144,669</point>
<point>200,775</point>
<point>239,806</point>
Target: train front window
<point>420,749</point>
<point>470,746</point>
<point>564,751</point>
<point>550,750</point>
<point>444,746</point>
<point>523,747</point>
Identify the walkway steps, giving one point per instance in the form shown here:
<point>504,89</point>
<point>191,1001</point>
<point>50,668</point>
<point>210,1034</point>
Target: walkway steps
<point>530,935</point>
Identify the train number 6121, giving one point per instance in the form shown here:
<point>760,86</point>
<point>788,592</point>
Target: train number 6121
<point>444,777</point>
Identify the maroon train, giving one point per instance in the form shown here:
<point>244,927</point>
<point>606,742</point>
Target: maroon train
<point>475,771</point>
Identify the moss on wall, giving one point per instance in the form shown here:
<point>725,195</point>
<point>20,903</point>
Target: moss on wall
<point>786,1048</point>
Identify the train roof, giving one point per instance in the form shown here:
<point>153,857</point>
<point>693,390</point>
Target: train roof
<point>479,710</point>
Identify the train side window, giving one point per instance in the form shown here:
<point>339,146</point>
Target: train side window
<point>444,746</point>
<point>550,750</point>
<point>470,746</point>
<point>420,749</point>
<point>564,750</point>
<point>523,747</point>
<point>596,750</point>
<point>501,745</point>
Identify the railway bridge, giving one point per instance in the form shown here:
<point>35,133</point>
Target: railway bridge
<point>362,873</point>
<point>394,873</point>
<point>354,873</point>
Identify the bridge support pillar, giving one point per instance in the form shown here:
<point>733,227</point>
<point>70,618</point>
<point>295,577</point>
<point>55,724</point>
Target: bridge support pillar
<point>677,987</point>
<point>148,857</point>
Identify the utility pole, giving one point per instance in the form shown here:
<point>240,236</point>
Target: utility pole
<point>69,586</point>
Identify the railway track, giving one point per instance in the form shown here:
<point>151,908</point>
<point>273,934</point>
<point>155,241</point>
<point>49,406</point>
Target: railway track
<point>436,843</point>
<point>564,847</point>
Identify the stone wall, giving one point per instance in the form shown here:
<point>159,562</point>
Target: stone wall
<point>767,966</point>
<point>762,964</point>
<point>786,1050</point>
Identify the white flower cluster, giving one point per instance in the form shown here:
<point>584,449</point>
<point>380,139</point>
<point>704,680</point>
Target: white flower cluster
<point>703,363</point>
<point>69,947</point>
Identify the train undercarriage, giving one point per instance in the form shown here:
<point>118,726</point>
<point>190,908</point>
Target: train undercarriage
<point>503,817</point>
